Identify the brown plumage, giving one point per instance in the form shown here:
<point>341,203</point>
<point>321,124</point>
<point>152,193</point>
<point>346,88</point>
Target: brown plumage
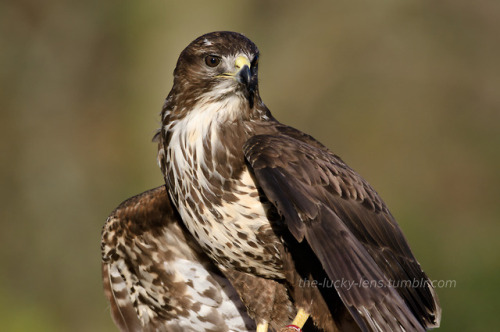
<point>266,199</point>
<point>157,278</point>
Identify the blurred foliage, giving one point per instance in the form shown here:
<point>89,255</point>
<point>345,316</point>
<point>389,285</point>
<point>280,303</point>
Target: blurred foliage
<point>407,92</point>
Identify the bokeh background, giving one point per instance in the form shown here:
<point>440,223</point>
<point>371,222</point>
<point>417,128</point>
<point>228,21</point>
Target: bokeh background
<point>407,92</point>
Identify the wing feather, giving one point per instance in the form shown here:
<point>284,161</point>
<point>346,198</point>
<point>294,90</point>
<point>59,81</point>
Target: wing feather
<point>122,311</point>
<point>156,277</point>
<point>348,227</point>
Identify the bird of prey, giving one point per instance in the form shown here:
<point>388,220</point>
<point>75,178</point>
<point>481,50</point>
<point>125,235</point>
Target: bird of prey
<point>267,200</point>
<point>157,278</point>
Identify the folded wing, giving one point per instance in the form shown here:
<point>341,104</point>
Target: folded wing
<point>349,229</point>
<point>157,279</point>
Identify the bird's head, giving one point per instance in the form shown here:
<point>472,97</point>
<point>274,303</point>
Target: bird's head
<point>219,65</point>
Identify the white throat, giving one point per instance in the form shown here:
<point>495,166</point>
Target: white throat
<point>198,128</point>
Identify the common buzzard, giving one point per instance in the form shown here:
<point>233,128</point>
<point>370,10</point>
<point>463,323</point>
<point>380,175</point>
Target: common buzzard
<point>267,200</point>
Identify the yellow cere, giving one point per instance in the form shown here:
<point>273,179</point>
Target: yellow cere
<point>241,61</point>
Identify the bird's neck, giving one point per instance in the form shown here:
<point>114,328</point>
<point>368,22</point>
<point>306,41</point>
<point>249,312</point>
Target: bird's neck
<point>206,142</point>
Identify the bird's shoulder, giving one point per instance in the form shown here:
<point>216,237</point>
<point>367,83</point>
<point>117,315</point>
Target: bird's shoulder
<point>284,148</point>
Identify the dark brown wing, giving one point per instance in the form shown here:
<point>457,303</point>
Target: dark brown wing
<point>157,279</point>
<point>350,230</point>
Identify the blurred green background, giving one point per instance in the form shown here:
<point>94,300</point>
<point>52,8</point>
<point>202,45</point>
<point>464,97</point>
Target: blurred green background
<point>407,92</point>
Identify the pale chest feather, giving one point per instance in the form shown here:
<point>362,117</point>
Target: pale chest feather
<point>220,208</point>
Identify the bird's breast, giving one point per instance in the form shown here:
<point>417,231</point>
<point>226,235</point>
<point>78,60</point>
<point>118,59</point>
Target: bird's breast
<point>219,202</point>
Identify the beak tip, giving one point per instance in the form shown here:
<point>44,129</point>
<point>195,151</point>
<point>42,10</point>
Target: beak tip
<point>244,75</point>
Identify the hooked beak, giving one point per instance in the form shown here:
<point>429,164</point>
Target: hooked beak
<point>243,75</point>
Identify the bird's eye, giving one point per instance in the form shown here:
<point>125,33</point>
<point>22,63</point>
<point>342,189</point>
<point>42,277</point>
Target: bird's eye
<point>212,60</point>
<point>255,61</point>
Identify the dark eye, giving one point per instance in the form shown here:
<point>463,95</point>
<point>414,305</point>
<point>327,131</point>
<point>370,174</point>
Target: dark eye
<point>255,61</point>
<point>212,60</point>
